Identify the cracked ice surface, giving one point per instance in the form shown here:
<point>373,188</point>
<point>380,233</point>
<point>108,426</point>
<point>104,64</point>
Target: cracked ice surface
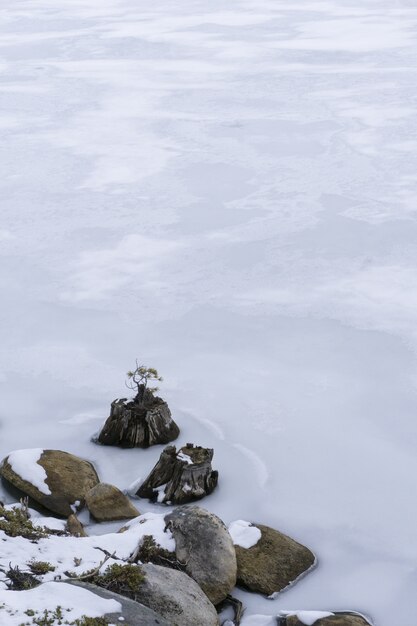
<point>226,191</point>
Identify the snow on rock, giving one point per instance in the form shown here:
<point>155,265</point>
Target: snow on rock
<point>244,534</point>
<point>133,487</point>
<point>307,617</point>
<point>25,464</point>
<point>184,457</point>
<point>61,551</point>
<point>75,603</point>
<point>155,525</point>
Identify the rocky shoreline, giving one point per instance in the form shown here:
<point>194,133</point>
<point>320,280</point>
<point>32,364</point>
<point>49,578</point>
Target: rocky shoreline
<point>178,568</point>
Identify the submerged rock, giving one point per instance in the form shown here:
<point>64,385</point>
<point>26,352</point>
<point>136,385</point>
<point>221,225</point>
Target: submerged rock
<point>205,547</point>
<point>180,477</point>
<point>321,618</point>
<point>56,479</point>
<point>272,563</point>
<point>134,424</point>
<point>107,503</point>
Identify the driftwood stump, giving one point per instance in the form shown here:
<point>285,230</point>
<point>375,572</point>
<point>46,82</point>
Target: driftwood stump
<point>180,477</point>
<point>134,424</point>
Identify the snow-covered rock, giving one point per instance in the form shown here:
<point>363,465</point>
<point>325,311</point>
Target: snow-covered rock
<point>56,479</point>
<point>321,618</point>
<point>78,555</point>
<point>74,602</point>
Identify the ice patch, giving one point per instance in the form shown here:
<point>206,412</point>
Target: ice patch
<point>133,487</point>
<point>25,464</point>
<point>259,466</point>
<point>80,418</point>
<point>258,620</point>
<point>244,534</point>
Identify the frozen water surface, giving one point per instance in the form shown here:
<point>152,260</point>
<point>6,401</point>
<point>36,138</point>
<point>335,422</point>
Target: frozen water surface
<point>228,192</point>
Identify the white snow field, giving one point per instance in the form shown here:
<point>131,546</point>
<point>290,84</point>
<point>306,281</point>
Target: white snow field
<point>227,191</point>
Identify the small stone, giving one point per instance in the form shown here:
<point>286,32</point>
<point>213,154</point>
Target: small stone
<point>107,503</point>
<point>74,526</point>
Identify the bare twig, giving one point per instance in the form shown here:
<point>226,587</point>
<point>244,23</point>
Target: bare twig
<point>93,572</point>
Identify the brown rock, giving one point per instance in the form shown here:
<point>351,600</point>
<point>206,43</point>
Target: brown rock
<point>272,563</point>
<point>106,503</point>
<point>74,526</point>
<point>67,476</point>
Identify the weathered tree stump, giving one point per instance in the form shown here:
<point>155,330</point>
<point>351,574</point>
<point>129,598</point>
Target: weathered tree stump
<point>138,424</point>
<point>180,477</point>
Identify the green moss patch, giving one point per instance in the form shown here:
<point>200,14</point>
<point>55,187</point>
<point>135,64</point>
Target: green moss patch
<point>15,523</point>
<point>151,552</point>
<point>123,579</point>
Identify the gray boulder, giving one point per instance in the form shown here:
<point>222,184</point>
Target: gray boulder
<point>107,503</point>
<point>205,547</point>
<point>134,613</point>
<point>175,596</point>
<point>67,478</point>
<point>273,563</point>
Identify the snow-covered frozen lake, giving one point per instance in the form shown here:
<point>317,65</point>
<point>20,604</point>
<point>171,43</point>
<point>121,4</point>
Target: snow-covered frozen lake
<point>227,191</point>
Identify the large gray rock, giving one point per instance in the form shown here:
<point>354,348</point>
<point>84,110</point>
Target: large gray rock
<point>205,547</point>
<point>341,618</point>
<point>272,563</point>
<point>134,613</point>
<point>107,503</point>
<point>67,477</point>
<point>175,596</point>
